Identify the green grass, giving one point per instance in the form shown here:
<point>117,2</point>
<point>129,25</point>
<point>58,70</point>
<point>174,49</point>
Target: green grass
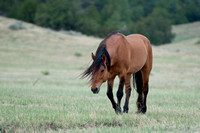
<point>61,102</point>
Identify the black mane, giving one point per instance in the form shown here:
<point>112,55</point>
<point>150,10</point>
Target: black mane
<point>98,58</point>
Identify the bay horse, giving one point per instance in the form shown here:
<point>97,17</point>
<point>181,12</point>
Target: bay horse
<point>122,56</point>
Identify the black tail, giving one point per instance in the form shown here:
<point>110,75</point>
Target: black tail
<point>137,81</point>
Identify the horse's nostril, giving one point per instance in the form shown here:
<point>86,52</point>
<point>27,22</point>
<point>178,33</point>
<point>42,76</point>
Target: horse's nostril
<point>94,90</point>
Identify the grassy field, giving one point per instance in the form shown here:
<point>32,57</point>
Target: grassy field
<point>40,90</point>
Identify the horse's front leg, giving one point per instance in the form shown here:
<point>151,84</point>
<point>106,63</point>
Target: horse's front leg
<point>128,92</point>
<point>110,96</point>
<point>120,91</point>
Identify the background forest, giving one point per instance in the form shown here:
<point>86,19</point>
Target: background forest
<point>152,18</point>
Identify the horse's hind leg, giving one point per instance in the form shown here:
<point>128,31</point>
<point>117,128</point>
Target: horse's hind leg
<point>145,89</point>
<point>139,86</point>
<point>145,71</point>
<point>145,92</point>
<point>142,83</point>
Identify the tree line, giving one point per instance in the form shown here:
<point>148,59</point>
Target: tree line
<point>152,18</point>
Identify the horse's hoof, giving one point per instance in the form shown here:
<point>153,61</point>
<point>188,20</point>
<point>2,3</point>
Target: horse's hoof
<point>118,109</point>
<point>118,112</point>
<point>125,109</point>
<point>142,110</point>
<point>139,112</point>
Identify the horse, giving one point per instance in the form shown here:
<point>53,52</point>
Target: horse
<point>122,56</point>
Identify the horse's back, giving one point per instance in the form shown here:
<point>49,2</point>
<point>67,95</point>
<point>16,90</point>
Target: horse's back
<point>138,38</point>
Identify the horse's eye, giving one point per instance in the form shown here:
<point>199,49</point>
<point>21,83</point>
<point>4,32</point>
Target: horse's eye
<point>102,71</point>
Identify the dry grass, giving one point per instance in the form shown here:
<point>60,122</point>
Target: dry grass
<point>187,31</point>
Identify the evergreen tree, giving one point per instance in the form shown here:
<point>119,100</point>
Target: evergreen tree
<point>27,11</point>
<point>100,17</point>
<point>193,10</point>
<point>156,27</point>
<point>89,22</point>
<point>176,11</point>
<point>58,14</point>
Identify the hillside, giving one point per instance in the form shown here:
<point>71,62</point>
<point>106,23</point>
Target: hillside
<point>186,31</point>
<point>41,91</point>
<point>37,46</point>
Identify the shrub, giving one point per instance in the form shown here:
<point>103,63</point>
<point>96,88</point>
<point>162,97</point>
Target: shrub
<point>198,42</point>
<point>77,54</point>
<point>45,73</point>
<point>17,26</point>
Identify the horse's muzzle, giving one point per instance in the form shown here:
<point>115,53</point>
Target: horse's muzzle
<point>95,90</point>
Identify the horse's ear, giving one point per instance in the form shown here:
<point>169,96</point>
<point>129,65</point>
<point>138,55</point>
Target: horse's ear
<point>93,57</point>
<point>104,58</point>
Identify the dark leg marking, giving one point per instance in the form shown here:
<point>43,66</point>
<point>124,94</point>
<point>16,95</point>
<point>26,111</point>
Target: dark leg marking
<point>139,85</point>
<point>145,92</point>
<point>128,94</point>
<point>120,91</point>
<point>110,96</point>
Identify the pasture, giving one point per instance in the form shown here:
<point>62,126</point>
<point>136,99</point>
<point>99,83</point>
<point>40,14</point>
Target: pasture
<point>40,89</point>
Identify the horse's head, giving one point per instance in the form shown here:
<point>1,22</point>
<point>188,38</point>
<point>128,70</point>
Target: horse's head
<point>98,70</point>
<point>99,74</point>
